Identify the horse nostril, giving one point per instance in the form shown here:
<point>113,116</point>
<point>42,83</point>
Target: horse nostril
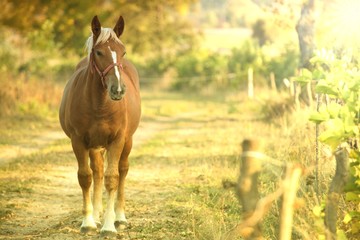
<point>114,89</point>
<point>123,89</point>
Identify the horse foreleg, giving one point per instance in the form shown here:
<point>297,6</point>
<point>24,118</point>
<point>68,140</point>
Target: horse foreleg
<point>123,170</point>
<point>97,166</point>
<point>85,178</point>
<point>111,185</point>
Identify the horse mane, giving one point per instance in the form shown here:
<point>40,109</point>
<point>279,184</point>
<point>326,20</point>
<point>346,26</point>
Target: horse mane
<point>106,34</point>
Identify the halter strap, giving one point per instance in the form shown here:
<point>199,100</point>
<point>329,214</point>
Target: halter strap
<point>102,74</point>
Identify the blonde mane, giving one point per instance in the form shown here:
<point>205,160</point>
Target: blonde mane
<point>106,34</point>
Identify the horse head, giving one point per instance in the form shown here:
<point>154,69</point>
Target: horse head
<point>106,53</point>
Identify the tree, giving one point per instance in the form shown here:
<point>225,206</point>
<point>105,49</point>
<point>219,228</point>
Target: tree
<point>151,26</point>
<point>306,33</point>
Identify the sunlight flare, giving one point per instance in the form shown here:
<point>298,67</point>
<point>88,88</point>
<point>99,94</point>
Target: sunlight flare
<point>345,22</point>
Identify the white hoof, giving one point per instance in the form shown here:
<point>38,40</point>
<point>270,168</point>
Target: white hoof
<point>88,226</point>
<point>108,232</point>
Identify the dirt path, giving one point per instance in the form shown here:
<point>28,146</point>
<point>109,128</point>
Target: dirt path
<point>11,152</point>
<point>45,202</point>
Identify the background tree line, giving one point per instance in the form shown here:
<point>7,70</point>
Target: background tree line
<point>45,39</point>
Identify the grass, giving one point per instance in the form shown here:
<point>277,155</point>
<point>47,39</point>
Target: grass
<point>207,145</point>
<point>175,183</point>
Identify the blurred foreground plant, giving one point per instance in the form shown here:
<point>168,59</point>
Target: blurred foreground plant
<point>338,81</point>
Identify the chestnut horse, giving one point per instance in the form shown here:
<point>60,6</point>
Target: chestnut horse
<point>100,110</point>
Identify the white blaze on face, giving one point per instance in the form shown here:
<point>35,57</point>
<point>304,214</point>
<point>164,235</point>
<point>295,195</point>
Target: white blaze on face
<point>116,68</point>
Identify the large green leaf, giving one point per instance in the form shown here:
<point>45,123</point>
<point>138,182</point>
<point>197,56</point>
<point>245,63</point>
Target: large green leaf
<point>352,196</point>
<point>322,87</point>
<point>319,117</point>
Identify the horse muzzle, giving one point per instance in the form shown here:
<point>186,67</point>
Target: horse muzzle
<point>115,94</point>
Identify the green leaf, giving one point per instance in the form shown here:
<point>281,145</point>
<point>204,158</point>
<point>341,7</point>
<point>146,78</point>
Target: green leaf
<point>350,186</point>
<point>340,235</point>
<point>334,133</point>
<point>305,77</point>
<point>334,109</point>
<point>306,73</point>
<point>321,237</point>
<point>326,89</point>
<point>351,196</point>
<point>333,142</point>
<point>347,218</point>
<point>355,227</point>
<point>319,117</point>
<point>317,210</point>
<point>318,74</point>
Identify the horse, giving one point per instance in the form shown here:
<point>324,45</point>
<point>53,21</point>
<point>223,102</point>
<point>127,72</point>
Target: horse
<point>100,111</point>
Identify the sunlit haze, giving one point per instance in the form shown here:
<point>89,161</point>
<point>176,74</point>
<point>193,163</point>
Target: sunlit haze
<point>346,23</point>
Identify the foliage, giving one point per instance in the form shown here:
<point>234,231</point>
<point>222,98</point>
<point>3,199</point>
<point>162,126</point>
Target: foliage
<point>339,79</point>
<point>199,69</point>
<point>259,32</point>
<point>68,19</point>
<point>283,65</point>
<point>153,29</point>
<point>8,56</point>
<point>249,54</point>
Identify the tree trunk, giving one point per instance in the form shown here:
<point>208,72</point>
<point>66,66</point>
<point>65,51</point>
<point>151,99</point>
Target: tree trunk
<point>306,34</point>
<point>336,190</point>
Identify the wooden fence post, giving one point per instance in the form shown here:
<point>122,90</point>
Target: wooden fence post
<point>309,94</point>
<point>336,189</point>
<point>273,82</point>
<point>247,188</point>
<point>290,186</point>
<point>250,83</point>
<point>297,93</point>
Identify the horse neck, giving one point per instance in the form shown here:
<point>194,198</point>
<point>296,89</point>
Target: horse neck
<point>94,91</point>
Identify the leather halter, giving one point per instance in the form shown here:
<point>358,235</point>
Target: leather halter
<point>102,74</point>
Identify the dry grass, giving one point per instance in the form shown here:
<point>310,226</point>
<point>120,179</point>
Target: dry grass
<point>28,97</point>
<point>176,175</point>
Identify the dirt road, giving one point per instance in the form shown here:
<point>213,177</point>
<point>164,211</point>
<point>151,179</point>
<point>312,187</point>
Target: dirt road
<point>41,198</point>
<point>182,151</point>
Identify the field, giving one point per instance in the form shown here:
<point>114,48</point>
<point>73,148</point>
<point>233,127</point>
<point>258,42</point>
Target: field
<point>187,145</point>
<point>223,39</point>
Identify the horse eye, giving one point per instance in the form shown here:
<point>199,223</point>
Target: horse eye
<point>98,53</point>
<point>124,54</point>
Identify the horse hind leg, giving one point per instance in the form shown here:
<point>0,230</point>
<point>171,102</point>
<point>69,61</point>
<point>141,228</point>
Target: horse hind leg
<point>97,166</point>
<point>85,179</point>
<point>123,170</point>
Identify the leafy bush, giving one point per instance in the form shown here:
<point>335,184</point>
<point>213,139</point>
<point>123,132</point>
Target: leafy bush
<point>283,65</point>
<point>339,79</point>
<point>248,55</point>
<point>200,69</point>
<point>8,54</point>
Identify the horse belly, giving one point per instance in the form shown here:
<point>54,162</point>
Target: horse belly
<point>99,136</point>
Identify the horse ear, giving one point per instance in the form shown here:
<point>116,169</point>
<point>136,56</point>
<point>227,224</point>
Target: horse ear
<point>119,27</point>
<point>95,28</point>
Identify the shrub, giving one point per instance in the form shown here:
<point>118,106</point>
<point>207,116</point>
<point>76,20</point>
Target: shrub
<point>248,55</point>
<point>283,65</point>
<point>200,69</point>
